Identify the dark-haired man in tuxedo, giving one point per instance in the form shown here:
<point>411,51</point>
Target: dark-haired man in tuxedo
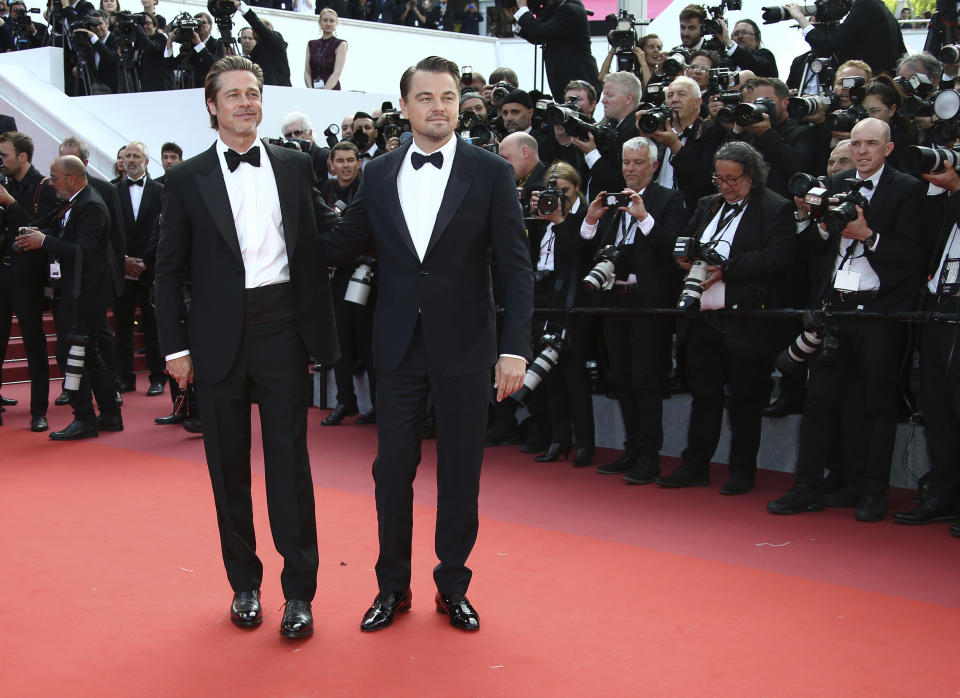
<point>260,307</point>
<point>448,235</point>
<point>269,48</point>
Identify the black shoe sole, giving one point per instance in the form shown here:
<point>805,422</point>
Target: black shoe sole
<point>112,427</point>
<point>796,510</point>
<point>734,492</point>
<point>240,623</point>
<point>945,518</point>
<point>630,480</point>
<point>296,634</point>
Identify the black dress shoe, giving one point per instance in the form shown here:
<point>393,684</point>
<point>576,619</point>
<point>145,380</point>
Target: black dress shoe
<point>174,418</point>
<point>76,430</point>
<point>367,418</point>
<point>584,456</point>
<point>930,510</point>
<point>644,471</point>
<point>38,424</point>
<point>462,615</point>
<point>385,606</point>
<point>684,477</point>
<point>955,530</point>
<point>62,399</point>
<point>110,422</point>
<point>193,425</point>
<point>7,401</point>
<point>739,482</point>
<point>156,388</point>
<point>797,500</point>
<point>872,506</point>
<point>297,619</point>
<point>553,453</point>
<point>783,406</point>
<point>245,610</point>
<point>845,498</point>
<point>340,412</point>
<point>620,465</point>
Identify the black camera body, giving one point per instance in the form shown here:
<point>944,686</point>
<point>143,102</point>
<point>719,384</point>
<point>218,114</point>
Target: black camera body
<point>551,199</point>
<point>826,11</point>
<point>813,192</point>
<point>711,27</point>
<point>475,130</point>
<point>576,124</point>
<point>811,105</point>
<point>616,199</point>
<point>221,9</point>
<point>692,249</point>
<point>550,345</point>
<point>818,340</point>
<point>604,270</point>
<point>845,211</point>
<point>731,100</point>
<point>916,159</point>
<point>394,123</point>
<point>747,113</point>
<point>182,28</point>
<point>655,119</point>
<point>502,89</point>
<point>675,63</point>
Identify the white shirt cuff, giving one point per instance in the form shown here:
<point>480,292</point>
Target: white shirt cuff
<point>588,230</point>
<point>514,356</point>
<point>94,39</point>
<point>732,49</point>
<point>168,52</point>
<point>807,29</point>
<point>934,190</point>
<point>244,8</point>
<point>646,225</point>
<point>591,158</point>
<point>199,47</point>
<point>520,13</point>
<point>177,355</point>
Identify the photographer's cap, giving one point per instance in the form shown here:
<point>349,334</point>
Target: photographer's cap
<point>518,96</point>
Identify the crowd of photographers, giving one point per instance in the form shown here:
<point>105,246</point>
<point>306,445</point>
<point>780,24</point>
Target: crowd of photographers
<point>711,187</point>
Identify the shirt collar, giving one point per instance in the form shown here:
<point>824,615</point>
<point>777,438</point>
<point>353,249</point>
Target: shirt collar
<point>448,149</point>
<point>223,147</point>
<point>875,177</point>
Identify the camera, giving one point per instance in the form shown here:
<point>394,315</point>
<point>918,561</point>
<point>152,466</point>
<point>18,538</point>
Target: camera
<point>916,159</point>
<point>182,28</point>
<point>623,38</point>
<point>502,89</point>
<point>604,271</point>
<point>616,200</point>
<point>813,192</point>
<point>655,93</point>
<point>811,105</point>
<point>221,9</point>
<point>361,281</point>
<point>393,122</point>
<point>722,79</point>
<point>474,130</point>
<point>949,54</point>
<point>845,212</point>
<point>332,133</point>
<point>552,342</point>
<point>551,199</point>
<point>731,100</point>
<point>817,336</point>
<point>466,75</point>
<point>76,356</point>
<point>747,113</point>
<point>845,119</point>
<point>675,63</point>
<point>711,26</point>
<point>655,119</point>
<point>127,24</point>
<point>826,11</point>
<point>289,143</point>
<point>575,124</point>
<point>703,255</point>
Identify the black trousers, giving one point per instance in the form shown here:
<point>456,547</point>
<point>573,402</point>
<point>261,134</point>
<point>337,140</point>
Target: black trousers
<point>355,336</point>
<point>568,392</point>
<point>97,379</point>
<point>853,397</point>
<point>136,294</point>
<point>461,419</point>
<point>729,361</point>
<point>271,370</point>
<point>22,295</point>
<point>940,378</point>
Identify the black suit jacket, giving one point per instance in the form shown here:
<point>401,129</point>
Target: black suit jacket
<point>155,72</point>
<point>607,172</point>
<point>869,32</point>
<point>106,68</point>
<point>693,163</point>
<point>118,244</point>
<point>763,248</point>
<point>477,255</point>
<point>788,147</point>
<point>760,62</point>
<point>270,53</point>
<point>198,244</point>
<point>35,203</point>
<point>565,35</point>
<point>137,231</point>
<point>895,214</point>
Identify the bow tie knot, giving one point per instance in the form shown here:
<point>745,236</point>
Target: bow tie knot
<point>866,183</point>
<point>135,182</point>
<point>418,160</point>
<point>234,158</point>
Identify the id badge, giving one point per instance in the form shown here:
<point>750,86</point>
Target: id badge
<point>847,281</point>
<point>950,277</point>
<point>54,270</point>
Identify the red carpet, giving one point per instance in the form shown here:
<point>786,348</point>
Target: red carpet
<point>586,587</point>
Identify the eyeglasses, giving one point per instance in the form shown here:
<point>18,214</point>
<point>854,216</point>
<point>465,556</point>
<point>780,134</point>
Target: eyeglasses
<point>295,134</point>
<point>697,69</point>
<point>737,34</point>
<point>728,181</point>
<point>53,178</point>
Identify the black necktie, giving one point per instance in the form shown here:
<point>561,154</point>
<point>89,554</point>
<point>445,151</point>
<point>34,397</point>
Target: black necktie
<point>135,182</point>
<point>418,160</point>
<point>234,158</point>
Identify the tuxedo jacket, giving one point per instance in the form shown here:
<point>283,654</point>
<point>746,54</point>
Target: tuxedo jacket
<point>763,248</point>
<point>607,172</point>
<point>761,62</point>
<point>477,257</point>
<point>118,244</point>
<point>869,32</point>
<point>565,34</point>
<point>198,243</point>
<point>35,203</point>
<point>895,214</point>
<point>137,230</point>
<point>270,53</point>
<point>693,163</point>
<point>108,70</point>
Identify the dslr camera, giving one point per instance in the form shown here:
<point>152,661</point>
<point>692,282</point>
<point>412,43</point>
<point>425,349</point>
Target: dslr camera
<point>702,255</point>
<point>747,113</point>
<point>835,211</point>
<point>818,336</point>
<point>655,119</point>
<point>552,342</point>
<point>826,11</point>
<point>711,26</point>
<point>604,271</point>
<point>551,199</point>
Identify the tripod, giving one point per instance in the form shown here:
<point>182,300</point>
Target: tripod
<point>129,73</point>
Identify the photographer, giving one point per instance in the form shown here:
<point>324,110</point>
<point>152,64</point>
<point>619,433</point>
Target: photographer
<point>873,264</point>
<point>700,64</point>
<point>644,230</point>
<point>270,51</point>
<point>472,101</point>
<point>648,55</point>
<point>561,28</point>
<point>869,33</point>
<point>516,114</point>
<point>155,72</point>
<point>692,18</point>
<point>196,59</point>
<point>365,134</point>
<point>104,71</point>
<point>20,32</point>
<point>521,150</point>
<point>744,50</point>
<point>297,125</point>
<point>729,358</point>
<point>502,81</point>
<point>882,100</point>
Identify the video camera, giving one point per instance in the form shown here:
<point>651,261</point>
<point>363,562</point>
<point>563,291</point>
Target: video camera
<point>624,39</point>
<point>182,28</point>
<point>712,26</point>
<point>826,11</point>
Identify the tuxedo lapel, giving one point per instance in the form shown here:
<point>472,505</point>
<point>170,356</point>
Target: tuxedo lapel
<point>461,173</point>
<point>391,195</point>
<point>287,190</point>
<point>126,208</point>
<point>213,192</point>
<point>151,195</point>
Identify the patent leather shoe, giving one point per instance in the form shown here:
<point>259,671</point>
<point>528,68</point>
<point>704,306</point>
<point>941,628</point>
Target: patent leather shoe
<point>245,610</point>
<point>739,482</point>
<point>340,412</point>
<point>645,471</point>
<point>173,418</point>
<point>930,510</point>
<point>297,619</point>
<point>38,423</point>
<point>684,477</point>
<point>76,430</point>
<point>110,422</point>
<point>193,425</point>
<point>462,614</point>
<point>796,500</point>
<point>7,401</point>
<point>62,399</point>
<point>584,456</point>
<point>620,465</point>
<point>783,406</point>
<point>553,453</point>
<point>156,388</point>
<point>385,607</point>
<point>367,418</point>
<point>872,506</point>
<point>955,530</point>
<point>127,388</point>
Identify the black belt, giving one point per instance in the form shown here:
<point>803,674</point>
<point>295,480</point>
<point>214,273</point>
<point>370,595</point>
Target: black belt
<point>268,303</point>
<point>854,297</point>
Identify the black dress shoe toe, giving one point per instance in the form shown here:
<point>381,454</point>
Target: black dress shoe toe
<point>76,430</point>
<point>367,418</point>
<point>738,483</point>
<point>340,412</point>
<point>62,399</point>
<point>553,453</point>
<point>872,506</point>
<point>797,500</point>
<point>619,466</point>
<point>110,422</point>
<point>38,424</point>
<point>156,388</point>
<point>174,418</point>
<point>245,610</point>
<point>955,530</point>
<point>462,614</point>
<point>7,401</point>
<point>682,477</point>
<point>645,471</point>
<point>385,607</point>
<point>930,510</point>
<point>193,425</point>
<point>297,619</point>
<point>584,457</point>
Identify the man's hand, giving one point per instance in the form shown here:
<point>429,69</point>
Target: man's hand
<point>391,144</point>
<point>716,274</point>
<point>585,145</point>
<point>597,207</point>
<point>133,267</point>
<point>760,127</point>
<point>509,373</point>
<point>196,39</point>
<point>236,3</point>
<point>724,35</point>
<point>668,137</point>
<point>560,133</point>
<point>803,208</point>
<point>181,369</point>
<point>556,217</point>
<point>797,14</point>
<point>636,207</point>
<point>948,179</point>
<point>5,198</point>
<point>29,239</point>
<point>858,229</point>
<point>84,31</point>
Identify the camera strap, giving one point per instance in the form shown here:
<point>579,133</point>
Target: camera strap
<point>728,213</point>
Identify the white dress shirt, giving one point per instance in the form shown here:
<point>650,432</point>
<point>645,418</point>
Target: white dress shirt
<point>665,177</point>
<point>858,262</point>
<point>547,260</point>
<point>715,297</point>
<point>136,195</point>
<point>421,192</point>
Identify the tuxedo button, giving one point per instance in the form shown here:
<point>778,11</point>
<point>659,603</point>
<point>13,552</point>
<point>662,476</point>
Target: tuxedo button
<point>424,273</point>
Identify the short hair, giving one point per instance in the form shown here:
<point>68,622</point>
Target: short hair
<point>563,170</point>
<point>694,12</point>
<point>430,64</point>
<point>628,82</point>
<point>211,86</point>
<point>756,29</point>
<point>749,158</point>
<point>641,143</point>
<point>300,116</point>
<point>886,89</point>
<point>712,56</point>
<point>925,63</point>
<point>364,115</point>
<point>780,88</point>
<point>143,146</point>
<point>856,63</point>
<point>22,143</point>
<point>71,164</point>
<point>74,143</point>
<point>345,145</point>
<point>171,147</point>
<point>581,85</point>
<point>525,140</point>
<point>205,16</point>
<point>504,73</point>
<point>252,33</point>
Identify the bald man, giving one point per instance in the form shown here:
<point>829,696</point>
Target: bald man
<point>521,150</point>
<point>77,244</point>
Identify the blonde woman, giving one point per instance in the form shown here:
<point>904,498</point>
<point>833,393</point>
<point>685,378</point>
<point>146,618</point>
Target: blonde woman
<point>326,56</point>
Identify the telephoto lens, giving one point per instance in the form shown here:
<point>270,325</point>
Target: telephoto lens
<point>75,360</point>
<point>554,341</point>
<point>689,300</point>
<point>361,283</point>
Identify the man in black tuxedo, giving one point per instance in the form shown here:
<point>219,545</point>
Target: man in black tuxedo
<point>646,277</point>
<point>449,239</point>
<point>270,51</point>
<point>523,153</point>
<point>874,264</point>
<point>155,72</point>
<point>105,71</point>
<point>77,245</point>
<point>561,28</point>
<point>140,199</point>
<point>729,358</point>
<point>198,57</point>
<point>743,50</point>
<point>260,309</point>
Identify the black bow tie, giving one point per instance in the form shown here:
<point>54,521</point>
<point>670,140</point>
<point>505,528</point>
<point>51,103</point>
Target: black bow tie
<point>135,182</point>
<point>234,158</point>
<point>867,183</point>
<point>418,160</point>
